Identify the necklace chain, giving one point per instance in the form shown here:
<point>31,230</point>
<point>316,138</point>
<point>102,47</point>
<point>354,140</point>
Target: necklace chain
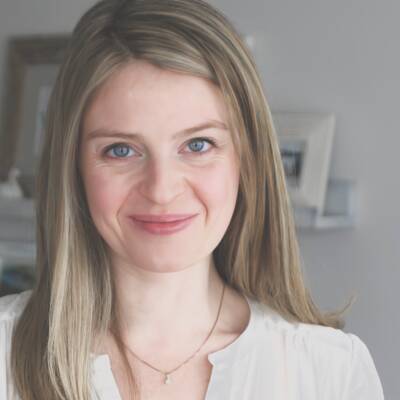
<point>167,374</point>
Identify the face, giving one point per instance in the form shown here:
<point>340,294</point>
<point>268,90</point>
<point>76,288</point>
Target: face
<point>155,143</point>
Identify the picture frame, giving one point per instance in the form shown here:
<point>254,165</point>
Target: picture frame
<point>32,66</point>
<point>305,141</point>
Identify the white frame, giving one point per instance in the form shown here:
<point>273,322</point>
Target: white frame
<point>316,130</point>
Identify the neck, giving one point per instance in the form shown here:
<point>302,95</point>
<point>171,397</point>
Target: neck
<point>163,310</point>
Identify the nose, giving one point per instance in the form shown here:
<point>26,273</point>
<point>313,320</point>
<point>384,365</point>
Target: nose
<point>162,181</point>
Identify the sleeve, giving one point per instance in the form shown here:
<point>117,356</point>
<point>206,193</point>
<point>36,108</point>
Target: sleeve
<point>11,307</point>
<point>363,382</point>
<point>5,329</point>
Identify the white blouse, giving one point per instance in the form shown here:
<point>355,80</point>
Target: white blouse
<point>273,359</point>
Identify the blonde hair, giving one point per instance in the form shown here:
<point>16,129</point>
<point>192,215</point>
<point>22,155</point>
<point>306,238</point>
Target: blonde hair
<point>258,255</point>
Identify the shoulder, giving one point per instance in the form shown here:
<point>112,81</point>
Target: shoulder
<point>328,354</point>
<point>11,307</point>
<point>316,340</point>
<point>304,335</point>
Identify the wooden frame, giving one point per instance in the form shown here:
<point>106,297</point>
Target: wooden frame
<point>32,62</point>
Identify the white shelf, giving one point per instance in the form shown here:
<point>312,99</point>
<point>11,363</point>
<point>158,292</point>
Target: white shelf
<point>18,252</point>
<point>17,220</point>
<point>17,208</point>
<point>17,232</point>
<point>339,210</point>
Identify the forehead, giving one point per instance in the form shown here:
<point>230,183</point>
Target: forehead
<point>142,96</point>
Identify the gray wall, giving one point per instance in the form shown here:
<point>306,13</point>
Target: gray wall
<point>339,57</point>
<point>342,56</point>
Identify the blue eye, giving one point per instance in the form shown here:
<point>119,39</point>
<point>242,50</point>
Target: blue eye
<point>198,144</point>
<point>118,150</point>
<point>121,150</point>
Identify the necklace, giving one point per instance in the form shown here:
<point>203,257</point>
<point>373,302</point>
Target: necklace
<point>167,374</point>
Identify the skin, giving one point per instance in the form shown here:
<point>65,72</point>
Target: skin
<point>168,288</point>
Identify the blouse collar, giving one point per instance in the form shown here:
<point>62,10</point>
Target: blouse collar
<point>241,346</point>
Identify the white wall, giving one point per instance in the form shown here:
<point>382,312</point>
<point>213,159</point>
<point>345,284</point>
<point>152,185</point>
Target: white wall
<point>315,55</point>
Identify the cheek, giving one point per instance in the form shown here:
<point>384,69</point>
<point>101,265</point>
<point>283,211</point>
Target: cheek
<point>104,194</point>
<point>219,187</point>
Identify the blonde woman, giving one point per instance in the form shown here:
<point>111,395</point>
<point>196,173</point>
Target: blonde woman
<point>168,266</point>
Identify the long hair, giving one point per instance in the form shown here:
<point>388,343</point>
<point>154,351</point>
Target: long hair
<point>258,255</point>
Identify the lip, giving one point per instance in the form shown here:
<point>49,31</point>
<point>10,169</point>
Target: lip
<point>171,223</point>
<point>161,217</point>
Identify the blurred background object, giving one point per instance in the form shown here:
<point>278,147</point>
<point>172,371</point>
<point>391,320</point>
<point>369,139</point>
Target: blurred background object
<point>16,279</point>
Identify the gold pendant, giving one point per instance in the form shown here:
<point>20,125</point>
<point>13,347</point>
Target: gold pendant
<point>167,379</point>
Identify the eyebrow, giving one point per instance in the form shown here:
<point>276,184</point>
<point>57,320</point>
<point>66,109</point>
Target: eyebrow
<point>102,132</point>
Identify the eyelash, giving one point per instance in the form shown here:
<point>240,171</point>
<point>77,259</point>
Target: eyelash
<point>197,153</point>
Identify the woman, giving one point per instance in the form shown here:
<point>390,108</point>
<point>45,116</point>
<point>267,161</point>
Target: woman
<point>168,265</point>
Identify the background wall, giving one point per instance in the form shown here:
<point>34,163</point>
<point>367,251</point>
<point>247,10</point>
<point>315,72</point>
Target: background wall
<point>316,55</point>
